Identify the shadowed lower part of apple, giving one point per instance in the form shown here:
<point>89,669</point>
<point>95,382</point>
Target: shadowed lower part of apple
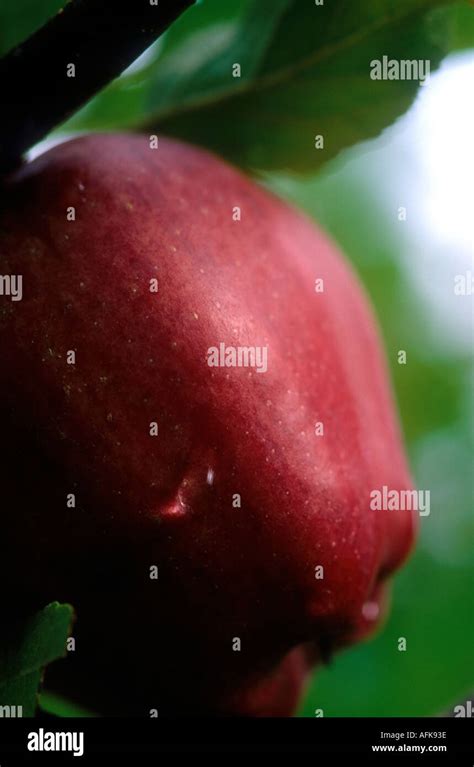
<point>195,411</point>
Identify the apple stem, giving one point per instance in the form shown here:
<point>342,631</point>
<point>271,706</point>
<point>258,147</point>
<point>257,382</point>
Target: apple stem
<point>75,54</point>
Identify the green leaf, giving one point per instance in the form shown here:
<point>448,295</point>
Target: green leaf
<point>20,19</point>
<point>305,71</point>
<point>463,26</point>
<point>309,76</point>
<point>26,649</point>
<point>59,706</point>
<point>19,694</point>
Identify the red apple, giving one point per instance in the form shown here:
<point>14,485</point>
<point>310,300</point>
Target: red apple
<point>248,486</point>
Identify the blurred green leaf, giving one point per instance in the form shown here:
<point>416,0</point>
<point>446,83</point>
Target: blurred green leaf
<point>462,26</point>
<point>59,706</point>
<point>26,648</point>
<point>19,19</point>
<point>21,693</point>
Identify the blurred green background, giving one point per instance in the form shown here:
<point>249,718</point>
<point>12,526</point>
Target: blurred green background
<point>424,163</point>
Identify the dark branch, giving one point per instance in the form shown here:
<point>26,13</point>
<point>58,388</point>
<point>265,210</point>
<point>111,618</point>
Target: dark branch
<point>99,37</point>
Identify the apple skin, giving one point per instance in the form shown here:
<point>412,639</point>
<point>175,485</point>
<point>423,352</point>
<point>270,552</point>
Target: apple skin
<point>225,572</point>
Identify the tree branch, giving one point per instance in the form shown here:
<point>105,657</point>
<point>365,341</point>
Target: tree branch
<point>100,38</point>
